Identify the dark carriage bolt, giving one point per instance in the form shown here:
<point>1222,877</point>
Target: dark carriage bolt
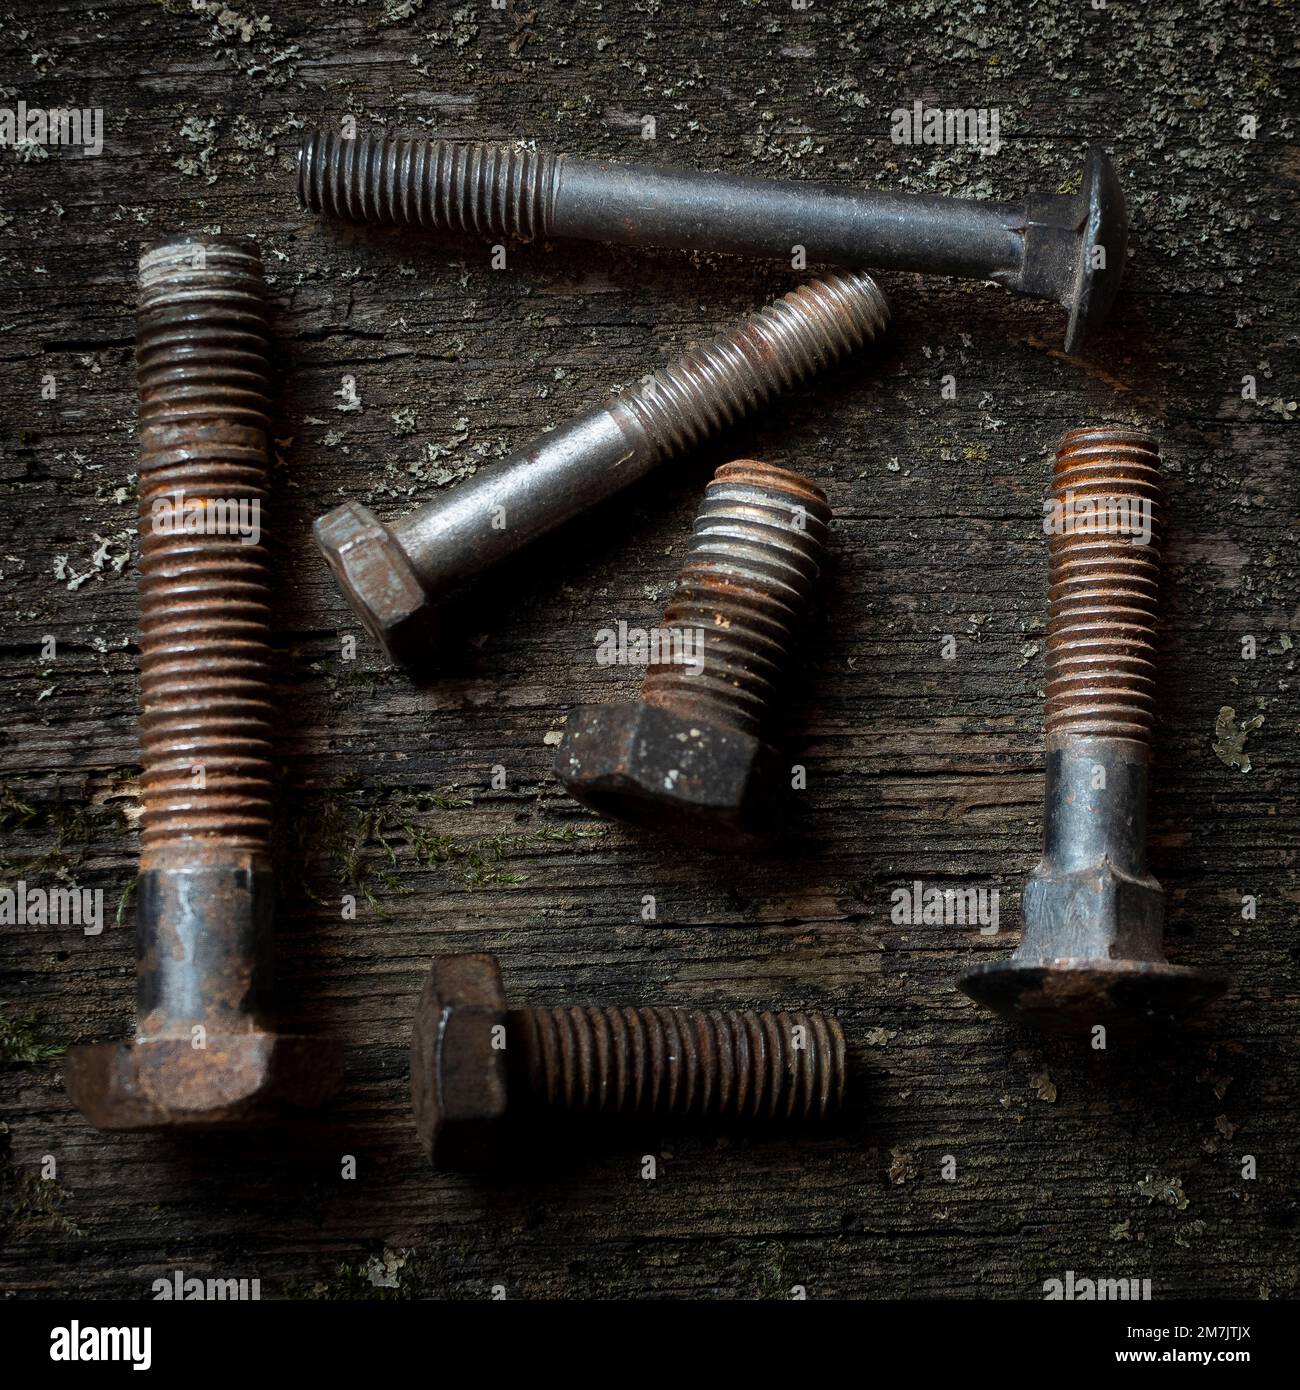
<point>475,1064</point>
<point>206,1052</point>
<point>689,756</point>
<point>392,574</point>
<point>1069,247</point>
<point>1092,949</point>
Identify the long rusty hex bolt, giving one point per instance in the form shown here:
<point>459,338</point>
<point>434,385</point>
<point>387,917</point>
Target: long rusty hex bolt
<point>1069,247</point>
<point>1092,948</point>
<point>206,1052</point>
<point>689,757</point>
<point>392,574</point>
<point>475,1063</point>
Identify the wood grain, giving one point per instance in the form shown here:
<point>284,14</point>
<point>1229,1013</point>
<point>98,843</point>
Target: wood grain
<point>919,767</point>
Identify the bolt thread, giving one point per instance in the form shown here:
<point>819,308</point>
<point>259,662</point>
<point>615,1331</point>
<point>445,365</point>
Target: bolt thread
<point>203,374</point>
<point>756,552</point>
<point>1104,587</point>
<point>772,351</point>
<point>719,1065</point>
<point>484,189</point>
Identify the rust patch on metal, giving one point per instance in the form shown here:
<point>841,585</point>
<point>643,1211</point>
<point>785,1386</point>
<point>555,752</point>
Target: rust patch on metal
<point>476,1064</point>
<point>205,1053</point>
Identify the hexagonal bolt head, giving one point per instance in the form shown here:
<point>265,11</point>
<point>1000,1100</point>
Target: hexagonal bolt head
<point>658,769</point>
<point>168,1083</point>
<point>377,579</point>
<point>458,1058</point>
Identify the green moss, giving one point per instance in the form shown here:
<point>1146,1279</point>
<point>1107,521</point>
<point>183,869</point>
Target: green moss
<point>480,864</point>
<point>766,1260</point>
<point>14,811</point>
<point>343,836</point>
<point>31,1202</point>
<point>70,829</point>
<point>567,834</point>
<point>369,849</point>
<point>350,1283</point>
<point>19,1045</point>
<point>477,862</point>
<point>124,901</point>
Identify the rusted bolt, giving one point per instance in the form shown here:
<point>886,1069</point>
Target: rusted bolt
<point>1069,247</point>
<point>475,1063</point>
<point>206,1052</point>
<point>689,756</point>
<point>1092,950</point>
<point>393,573</point>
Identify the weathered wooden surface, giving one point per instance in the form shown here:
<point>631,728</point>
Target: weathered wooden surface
<point>1125,1164</point>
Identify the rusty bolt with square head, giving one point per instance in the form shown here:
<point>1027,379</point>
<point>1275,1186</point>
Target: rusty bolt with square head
<point>690,757</point>
<point>475,1063</point>
<point>206,1051</point>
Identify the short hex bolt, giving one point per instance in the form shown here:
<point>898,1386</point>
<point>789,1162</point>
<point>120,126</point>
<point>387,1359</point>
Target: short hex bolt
<point>1093,915</point>
<point>475,1064</point>
<point>206,1052</point>
<point>1065,247</point>
<point>393,574</point>
<point>689,757</point>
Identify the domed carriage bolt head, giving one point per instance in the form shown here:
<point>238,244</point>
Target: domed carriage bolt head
<point>377,579</point>
<point>458,1059</point>
<point>656,768</point>
<point>1091,955</point>
<point>1101,249</point>
<point>1075,248</point>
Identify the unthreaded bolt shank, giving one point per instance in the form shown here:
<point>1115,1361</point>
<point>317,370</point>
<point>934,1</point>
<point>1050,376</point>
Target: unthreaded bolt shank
<point>1067,247</point>
<point>393,572</point>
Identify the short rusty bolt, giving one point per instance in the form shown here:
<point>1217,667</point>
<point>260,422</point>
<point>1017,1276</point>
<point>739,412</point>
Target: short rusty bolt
<point>1092,949</point>
<point>394,573</point>
<point>476,1064</point>
<point>1069,247</point>
<point>206,1052</point>
<point>689,757</point>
